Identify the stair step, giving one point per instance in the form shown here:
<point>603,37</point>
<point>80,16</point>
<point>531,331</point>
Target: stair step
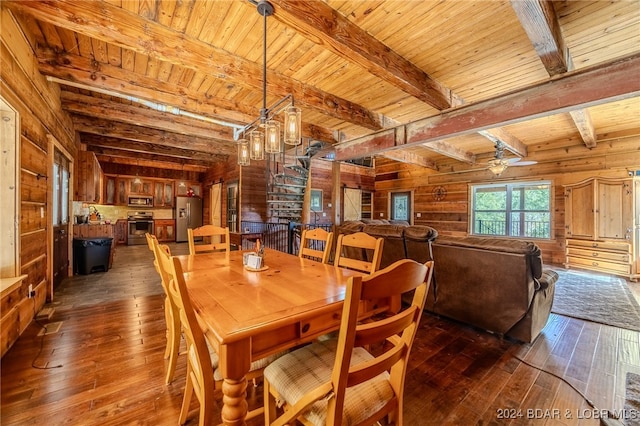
<point>284,201</point>
<point>289,185</point>
<point>286,194</point>
<point>296,177</point>
<point>298,169</point>
<point>286,209</point>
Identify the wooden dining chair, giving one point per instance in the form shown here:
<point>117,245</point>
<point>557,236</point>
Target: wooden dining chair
<point>359,251</point>
<point>338,382</point>
<point>172,350</point>
<point>312,240</point>
<point>203,377</point>
<point>215,238</point>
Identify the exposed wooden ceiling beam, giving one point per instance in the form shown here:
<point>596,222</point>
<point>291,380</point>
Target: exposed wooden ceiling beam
<point>78,70</point>
<point>591,86</point>
<point>151,136</point>
<point>507,140</point>
<point>451,151</point>
<point>323,25</point>
<point>114,156</point>
<point>410,158</point>
<point>539,20</point>
<point>127,30</point>
<point>134,148</point>
<point>117,111</point>
<point>582,120</point>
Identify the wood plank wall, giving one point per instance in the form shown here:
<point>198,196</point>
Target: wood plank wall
<point>351,176</point>
<point>38,105</point>
<point>450,215</point>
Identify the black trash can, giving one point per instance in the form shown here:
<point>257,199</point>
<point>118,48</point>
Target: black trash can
<point>91,255</point>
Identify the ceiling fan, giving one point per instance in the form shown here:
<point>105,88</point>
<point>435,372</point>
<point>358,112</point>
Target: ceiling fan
<point>499,164</point>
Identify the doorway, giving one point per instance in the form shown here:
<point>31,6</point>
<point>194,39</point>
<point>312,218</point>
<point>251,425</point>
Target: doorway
<point>60,217</point>
<point>216,204</point>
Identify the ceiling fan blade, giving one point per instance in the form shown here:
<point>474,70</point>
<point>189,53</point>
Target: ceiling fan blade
<point>523,163</point>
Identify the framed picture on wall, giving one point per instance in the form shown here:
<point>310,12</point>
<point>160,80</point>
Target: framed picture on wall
<point>316,200</point>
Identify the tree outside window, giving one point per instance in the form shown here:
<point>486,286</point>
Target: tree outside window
<point>514,210</point>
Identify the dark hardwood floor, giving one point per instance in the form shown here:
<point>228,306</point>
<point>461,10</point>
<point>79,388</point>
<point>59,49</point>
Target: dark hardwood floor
<point>105,364</point>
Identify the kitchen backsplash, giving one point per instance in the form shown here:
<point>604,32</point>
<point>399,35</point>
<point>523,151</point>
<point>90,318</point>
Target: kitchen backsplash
<point>114,213</point>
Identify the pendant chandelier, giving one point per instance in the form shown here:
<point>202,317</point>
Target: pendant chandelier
<point>264,132</point>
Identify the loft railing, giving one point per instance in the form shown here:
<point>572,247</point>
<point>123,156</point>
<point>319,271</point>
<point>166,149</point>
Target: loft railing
<point>282,236</point>
<point>526,229</point>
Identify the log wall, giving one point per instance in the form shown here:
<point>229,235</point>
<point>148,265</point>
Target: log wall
<point>41,120</point>
<point>450,215</point>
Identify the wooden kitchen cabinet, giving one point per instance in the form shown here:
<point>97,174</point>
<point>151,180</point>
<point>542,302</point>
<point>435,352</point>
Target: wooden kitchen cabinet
<point>165,230</point>
<point>600,215</point>
<point>120,232</point>
<point>115,190</point>
<point>163,194</point>
<point>141,187</point>
<point>182,190</point>
<point>88,178</point>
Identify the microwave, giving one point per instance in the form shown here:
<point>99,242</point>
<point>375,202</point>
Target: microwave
<point>140,201</point>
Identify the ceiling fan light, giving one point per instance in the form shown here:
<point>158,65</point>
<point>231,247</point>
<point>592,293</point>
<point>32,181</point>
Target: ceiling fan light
<point>292,125</point>
<point>243,152</point>
<point>272,137</point>
<point>497,166</point>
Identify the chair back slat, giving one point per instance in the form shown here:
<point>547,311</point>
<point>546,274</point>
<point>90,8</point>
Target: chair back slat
<point>367,254</point>
<point>310,242</point>
<point>215,238</point>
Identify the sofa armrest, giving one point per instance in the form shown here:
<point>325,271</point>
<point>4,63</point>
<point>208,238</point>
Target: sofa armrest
<point>547,279</point>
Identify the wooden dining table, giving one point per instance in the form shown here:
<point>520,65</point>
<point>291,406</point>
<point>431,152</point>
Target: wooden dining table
<point>248,315</point>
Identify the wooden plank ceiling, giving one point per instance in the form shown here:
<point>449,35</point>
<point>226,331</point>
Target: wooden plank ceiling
<point>432,83</point>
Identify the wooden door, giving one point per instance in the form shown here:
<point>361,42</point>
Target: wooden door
<point>352,204</point>
<point>615,209</point>
<point>216,204</point>
<point>579,210</point>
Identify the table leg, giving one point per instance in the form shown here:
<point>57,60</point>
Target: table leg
<point>235,361</point>
<point>234,399</point>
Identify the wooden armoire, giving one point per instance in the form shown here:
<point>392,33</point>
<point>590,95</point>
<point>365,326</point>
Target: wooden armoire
<point>602,218</point>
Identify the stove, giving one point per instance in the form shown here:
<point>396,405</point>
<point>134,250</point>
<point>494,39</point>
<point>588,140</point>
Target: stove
<point>138,224</point>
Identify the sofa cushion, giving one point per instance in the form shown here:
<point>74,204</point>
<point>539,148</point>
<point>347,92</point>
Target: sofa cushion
<point>393,248</point>
<point>417,242</point>
<point>527,248</point>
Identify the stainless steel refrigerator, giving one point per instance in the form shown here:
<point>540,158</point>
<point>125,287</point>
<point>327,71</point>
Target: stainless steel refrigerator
<point>188,215</point>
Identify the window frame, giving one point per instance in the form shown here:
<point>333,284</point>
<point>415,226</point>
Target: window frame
<point>509,211</point>
<point>392,197</point>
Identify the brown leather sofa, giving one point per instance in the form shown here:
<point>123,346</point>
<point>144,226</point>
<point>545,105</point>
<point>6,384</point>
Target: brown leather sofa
<point>495,284</point>
<point>401,240</point>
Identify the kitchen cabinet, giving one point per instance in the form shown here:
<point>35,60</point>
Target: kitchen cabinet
<point>165,230</point>
<point>138,186</point>
<point>163,194</point>
<point>115,190</point>
<point>182,189</point>
<point>120,232</point>
<point>601,215</point>
<point>88,177</point>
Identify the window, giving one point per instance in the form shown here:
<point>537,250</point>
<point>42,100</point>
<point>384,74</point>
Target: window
<point>514,210</point>
<point>232,207</point>
<point>401,206</point>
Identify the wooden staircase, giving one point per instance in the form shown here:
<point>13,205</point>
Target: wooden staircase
<point>287,182</point>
